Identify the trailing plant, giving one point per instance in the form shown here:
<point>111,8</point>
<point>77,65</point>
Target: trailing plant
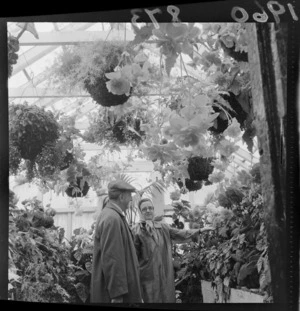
<point>77,178</point>
<point>110,131</point>
<point>39,265</point>
<point>30,130</point>
<point>12,49</point>
<point>85,66</point>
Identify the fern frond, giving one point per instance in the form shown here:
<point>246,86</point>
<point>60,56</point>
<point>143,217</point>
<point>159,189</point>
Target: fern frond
<point>155,186</point>
<point>124,177</point>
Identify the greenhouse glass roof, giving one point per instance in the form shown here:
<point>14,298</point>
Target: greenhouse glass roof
<point>38,49</point>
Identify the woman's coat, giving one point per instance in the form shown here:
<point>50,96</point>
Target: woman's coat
<point>115,265</point>
<point>155,259</point>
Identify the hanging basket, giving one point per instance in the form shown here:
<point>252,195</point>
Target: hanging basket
<point>31,128</point>
<point>191,185</point>
<point>238,113</point>
<point>75,190</point>
<point>107,130</point>
<point>67,160</point>
<point>86,65</point>
<point>101,95</point>
<point>12,49</point>
<point>123,135</point>
<point>199,169</point>
<point>108,57</point>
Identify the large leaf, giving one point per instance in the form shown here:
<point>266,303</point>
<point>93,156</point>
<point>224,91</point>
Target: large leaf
<point>142,34</point>
<point>170,62</point>
<point>176,32</point>
<point>82,291</point>
<point>78,255</point>
<point>88,266</point>
<point>260,264</point>
<point>246,269</point>
<point>177,122</point>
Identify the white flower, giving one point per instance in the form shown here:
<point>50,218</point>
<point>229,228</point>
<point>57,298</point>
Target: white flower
<point>234,129</point>
<point>216,176</point>
<point>118,86</point>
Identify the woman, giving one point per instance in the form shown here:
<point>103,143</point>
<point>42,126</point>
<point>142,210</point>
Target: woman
<point>153,245</point>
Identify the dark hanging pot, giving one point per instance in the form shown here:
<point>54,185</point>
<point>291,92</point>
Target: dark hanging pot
<point>101,94</point>
<point>75,191</point>
<point>96,85</point>
<point>191,185</point>
<point>199,169</point>
<point>238,113</point>
<point>67,160</point>
<point>124,135</point>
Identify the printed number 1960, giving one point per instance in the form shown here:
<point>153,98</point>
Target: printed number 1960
<point>263,17</point>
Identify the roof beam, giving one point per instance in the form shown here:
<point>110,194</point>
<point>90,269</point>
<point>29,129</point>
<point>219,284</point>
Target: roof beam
<point>58,38</point>
<point>246,155</point>
<point>34,54</point>
<point>31,92</point>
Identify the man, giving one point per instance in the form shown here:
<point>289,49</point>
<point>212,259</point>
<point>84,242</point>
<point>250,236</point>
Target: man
<point>115,272</point>
<point>153,241</point>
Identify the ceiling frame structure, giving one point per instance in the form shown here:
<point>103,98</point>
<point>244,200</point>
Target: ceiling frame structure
<point>72,34</point>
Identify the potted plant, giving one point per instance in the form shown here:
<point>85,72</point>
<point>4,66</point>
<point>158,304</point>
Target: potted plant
<point>106,129</point>
<point>236,111</point>
<point>199,169</point>
<point>31,129</point>
<point>78,180</point>
<point>86,65</point>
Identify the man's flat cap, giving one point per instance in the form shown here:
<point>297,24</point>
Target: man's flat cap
<point>120,185</point>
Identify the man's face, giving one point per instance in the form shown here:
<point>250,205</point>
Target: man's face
<point>126,199</point>
<point>147,210</point>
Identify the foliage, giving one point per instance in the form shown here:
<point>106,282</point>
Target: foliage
<point>43,140</point>
<point>30,129</point>
<point>235,255</point>
<point>39,265</point>
<point>82,245</point>
<point>189,116</point>
<point>12,49</point>
<point>76,179</point>
<point>85,66</point>
<point>106,129</point>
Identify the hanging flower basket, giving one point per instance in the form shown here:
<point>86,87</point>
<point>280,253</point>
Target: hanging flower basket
<point>105,129</point>
<point>222,121</point>
<point>95,83</point>
<point>30,129</point>
<point>100,94</point>
<point>87,65</point>
<point>76,190</point>
<point>66,161</point>
<point>199,169</point>
<point>78,185</point>
<point>12,49</point>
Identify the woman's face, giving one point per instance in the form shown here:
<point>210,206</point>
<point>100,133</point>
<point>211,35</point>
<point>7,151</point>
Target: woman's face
<point>147,210</point>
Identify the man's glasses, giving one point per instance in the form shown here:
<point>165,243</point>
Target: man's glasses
<point>150,208</point>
